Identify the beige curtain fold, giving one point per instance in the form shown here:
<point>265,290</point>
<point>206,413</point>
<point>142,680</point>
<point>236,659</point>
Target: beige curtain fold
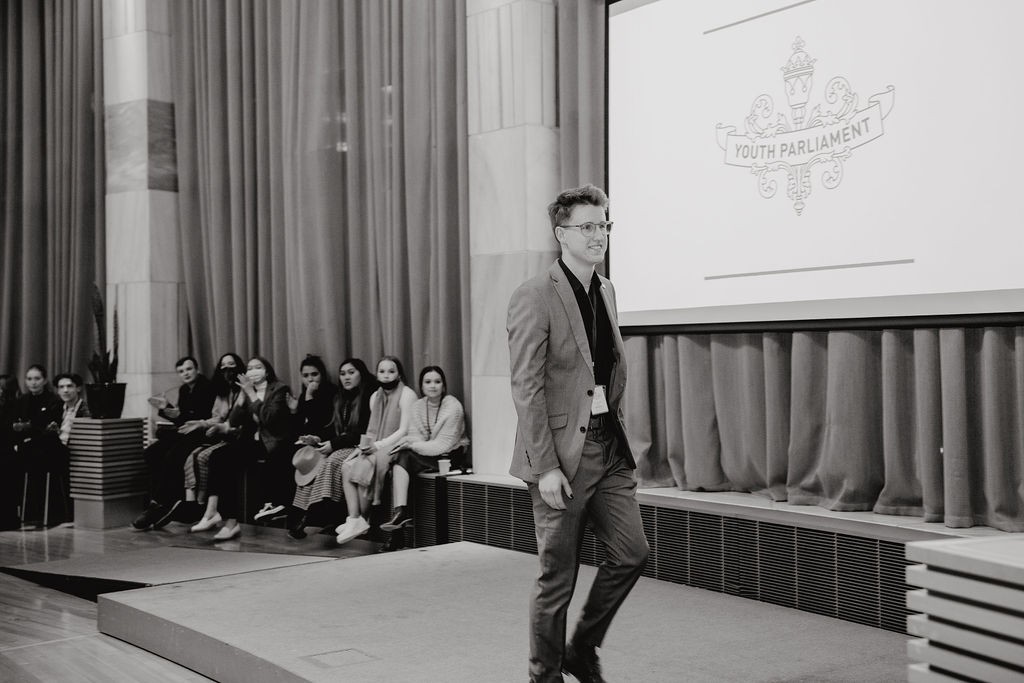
<point>924,422</point>
<point>52,182</point>
<point>322,162</point>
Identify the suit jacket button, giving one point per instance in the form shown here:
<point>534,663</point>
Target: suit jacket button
<point>590,392</point>
<point>583,430</point>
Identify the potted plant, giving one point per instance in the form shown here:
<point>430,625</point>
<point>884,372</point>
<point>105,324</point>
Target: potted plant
<point>105,395</point>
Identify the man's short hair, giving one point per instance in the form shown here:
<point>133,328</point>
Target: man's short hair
<point>184,359</point>
<point>560,209</point>
<point>75,378</point>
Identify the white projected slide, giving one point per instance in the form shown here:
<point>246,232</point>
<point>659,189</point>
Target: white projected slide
<point>821,159</point>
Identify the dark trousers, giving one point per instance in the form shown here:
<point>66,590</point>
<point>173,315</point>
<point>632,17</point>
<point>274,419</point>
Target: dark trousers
<point>275,475</point>
<point>38,457</point>
<point>165,463</point>
<point>604,495</point>
<point>225,479</point>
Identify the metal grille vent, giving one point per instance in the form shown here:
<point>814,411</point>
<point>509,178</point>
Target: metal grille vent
<point>425,512</point>
<point>850,577</point>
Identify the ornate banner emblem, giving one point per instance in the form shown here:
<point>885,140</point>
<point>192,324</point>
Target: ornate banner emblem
<point>797,144</point>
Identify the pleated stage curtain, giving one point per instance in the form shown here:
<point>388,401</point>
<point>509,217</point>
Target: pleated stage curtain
<point>322,176</point>
<point>923,422</point>
<point>51,182</point>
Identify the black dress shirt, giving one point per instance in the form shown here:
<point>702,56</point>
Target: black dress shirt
<point>596,322</point>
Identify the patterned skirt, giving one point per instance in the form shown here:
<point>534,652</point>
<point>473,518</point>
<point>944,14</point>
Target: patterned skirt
<point>197,468</point>
<point>327,485</point>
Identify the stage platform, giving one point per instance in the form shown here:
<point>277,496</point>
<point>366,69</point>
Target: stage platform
<point>458,612</point>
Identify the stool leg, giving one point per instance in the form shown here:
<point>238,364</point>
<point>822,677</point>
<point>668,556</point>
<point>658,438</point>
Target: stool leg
<point>46,503</point>
<point>24,499</point>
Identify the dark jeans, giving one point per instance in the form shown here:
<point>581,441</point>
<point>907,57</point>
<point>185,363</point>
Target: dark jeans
<point>604,495</point>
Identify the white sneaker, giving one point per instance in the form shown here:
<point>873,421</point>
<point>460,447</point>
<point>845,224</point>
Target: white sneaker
<point>268,510</point>
<point>206,523</point>
<point>358,527</point>
<point>228,532</point>
<point>343,527</point>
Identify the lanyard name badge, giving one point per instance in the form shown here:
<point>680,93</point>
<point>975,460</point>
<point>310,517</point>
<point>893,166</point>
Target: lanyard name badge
<point>599,406</point>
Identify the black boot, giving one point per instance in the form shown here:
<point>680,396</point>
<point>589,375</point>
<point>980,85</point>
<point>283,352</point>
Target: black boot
<point>400,520</point>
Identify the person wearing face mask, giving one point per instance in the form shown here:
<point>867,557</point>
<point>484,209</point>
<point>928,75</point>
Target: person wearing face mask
<point>262,412</point>
<point>318,463</point>
<point>36,413</point>
<point>165,456</point>
<point>362,475</point>
<point>214,469</point>
<point>437,429</point>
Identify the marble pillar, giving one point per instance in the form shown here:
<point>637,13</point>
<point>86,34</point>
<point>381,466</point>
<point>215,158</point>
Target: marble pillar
<point>144,282</point>
<point>513,175</point>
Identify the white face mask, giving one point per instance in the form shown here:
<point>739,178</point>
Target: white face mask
<point>256,375</point>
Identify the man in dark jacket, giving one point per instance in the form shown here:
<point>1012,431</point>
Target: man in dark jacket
<point>165,457</point>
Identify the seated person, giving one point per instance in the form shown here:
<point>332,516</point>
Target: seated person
<point>213,470</point>
<point>165,456</point>
<point>337,441</point>
<point>362,474</point>
<point>262,412</point>
<point>10,485</point>
<point>437,428</point>
<point>69,389</point>
<point>37,417</point>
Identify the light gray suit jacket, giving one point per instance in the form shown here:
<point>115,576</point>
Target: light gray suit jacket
<point>553,375</point>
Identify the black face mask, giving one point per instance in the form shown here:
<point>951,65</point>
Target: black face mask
<point>388,386</point>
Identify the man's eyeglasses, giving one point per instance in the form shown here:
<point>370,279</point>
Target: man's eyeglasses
<point>589,229</point>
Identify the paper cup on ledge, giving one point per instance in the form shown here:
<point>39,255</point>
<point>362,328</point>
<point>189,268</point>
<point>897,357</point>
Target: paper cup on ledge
<point>444,466</point>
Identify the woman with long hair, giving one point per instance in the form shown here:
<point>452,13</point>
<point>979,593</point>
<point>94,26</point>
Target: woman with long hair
<point>267,437</point>
<point>318,463</point>
<point>363,473</point>
<point>213,470</point>
<point>437,429</point>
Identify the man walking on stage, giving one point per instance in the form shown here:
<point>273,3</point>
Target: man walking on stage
<point>568,377</point>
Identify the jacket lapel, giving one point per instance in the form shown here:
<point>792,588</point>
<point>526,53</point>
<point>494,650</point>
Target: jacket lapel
<point>572,311</point>
<point>613,319</point>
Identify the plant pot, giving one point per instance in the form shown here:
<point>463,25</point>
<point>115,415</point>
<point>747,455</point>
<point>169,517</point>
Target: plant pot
<point>106,401</point>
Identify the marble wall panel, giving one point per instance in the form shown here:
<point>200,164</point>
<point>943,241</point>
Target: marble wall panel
<point>165,261</point>
<point>125,68</point>
<point>163,161</point>
<point>494,277</point>
<point>126,146</point>
<point>166,324</point>
<point>542,183</point>
<point>134,314</point>
<point>158,67</point>
<point>139,389</point>
<point>511,66</point>
<point>497,200</point>
<point>123,16</point>
<point>483,64</point>
<point>478,6</point>
<point>128,239</point>
<point>494,425</point>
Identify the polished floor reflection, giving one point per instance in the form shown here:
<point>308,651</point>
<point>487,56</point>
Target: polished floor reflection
<point>47,635</point>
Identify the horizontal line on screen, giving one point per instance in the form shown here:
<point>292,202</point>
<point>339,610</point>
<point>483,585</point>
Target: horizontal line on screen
<point>757,16</point>
<point>809,269</point>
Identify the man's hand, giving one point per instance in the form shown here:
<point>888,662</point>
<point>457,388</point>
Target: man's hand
<point>551,486</point>
<point>172,412</point>
<point>191,426</point>
<point>158,402</point>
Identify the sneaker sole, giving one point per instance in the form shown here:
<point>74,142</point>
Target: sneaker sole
<point>396,527</point>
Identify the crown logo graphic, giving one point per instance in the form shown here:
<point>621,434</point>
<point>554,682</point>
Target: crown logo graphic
<point>806,145</point>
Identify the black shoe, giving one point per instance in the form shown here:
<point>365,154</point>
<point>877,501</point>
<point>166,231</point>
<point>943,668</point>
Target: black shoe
<point>152,513</point>
<point>168,514</point>
<point>189,512</point>
<point>582,663</point>
<point>297,528</point>
<point>389,546</point>
<point>399,521</point>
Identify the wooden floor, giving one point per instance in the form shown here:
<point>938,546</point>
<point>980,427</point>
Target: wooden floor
<point>46,635</point>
